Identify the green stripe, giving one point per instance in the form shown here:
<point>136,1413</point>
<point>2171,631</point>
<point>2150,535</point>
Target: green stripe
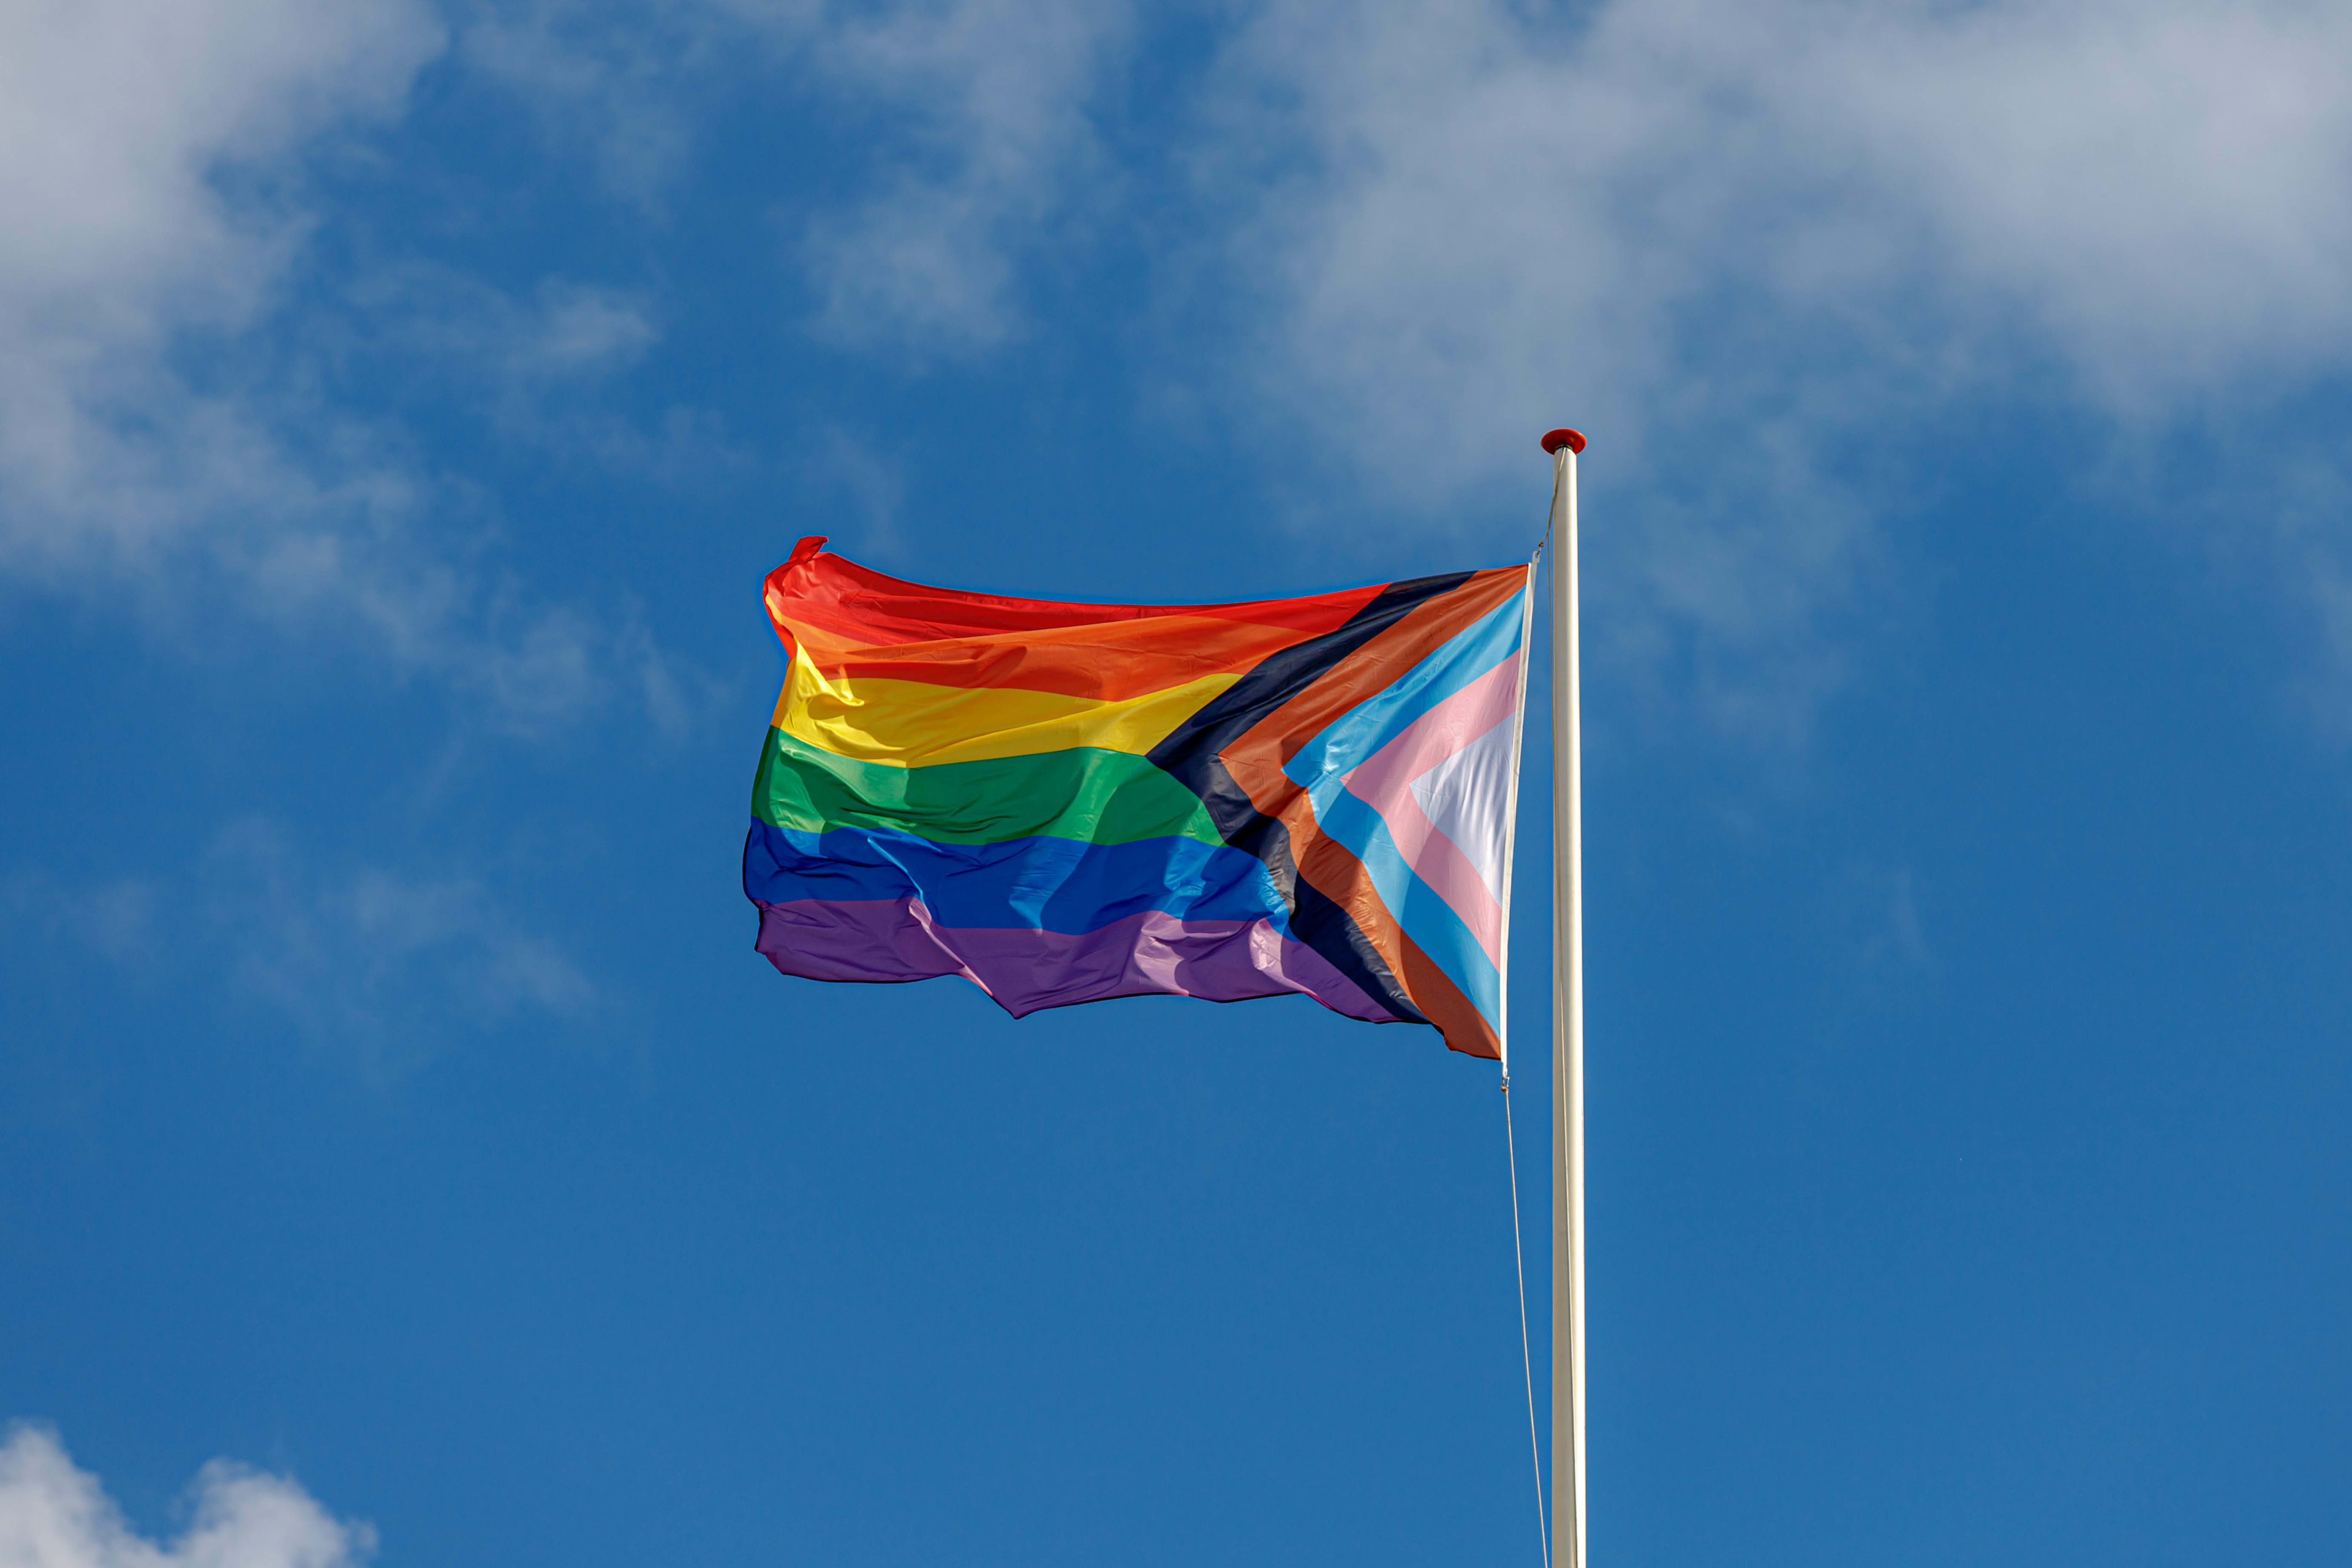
<point>1093,795</point>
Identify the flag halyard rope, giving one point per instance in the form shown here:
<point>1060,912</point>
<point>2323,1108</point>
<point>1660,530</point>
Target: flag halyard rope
<point>1510,1137</point>
<point>1527,1361</point>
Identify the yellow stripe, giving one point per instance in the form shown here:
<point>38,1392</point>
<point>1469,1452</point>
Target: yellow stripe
<point>913,723</point>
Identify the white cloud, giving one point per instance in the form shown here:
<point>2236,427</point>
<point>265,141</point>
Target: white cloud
<point>115,920</point>
<point>122,126</point>
<point>56,1515</point>
<point>114,117</point>
<point>379,961</point>
<point>994,156</point>
<point>1492,214</point>
<point>976,117</point>
<point>873,484</point>
<point>1751,248</point>
<point>2163,186</point>
<point>1880,909</point>
<point>526,359</point>
<point>154,446</point>
<point>371,957</point>
<point>585,328</point>
<point>614,90</point>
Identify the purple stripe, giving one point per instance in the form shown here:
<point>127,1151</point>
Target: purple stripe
<point>1150,954</point>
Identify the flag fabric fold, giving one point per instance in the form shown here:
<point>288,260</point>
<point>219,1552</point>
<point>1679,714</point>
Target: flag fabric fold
<point>1067,803</point>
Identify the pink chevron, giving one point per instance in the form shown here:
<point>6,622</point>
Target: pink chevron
<point>1383,781</point>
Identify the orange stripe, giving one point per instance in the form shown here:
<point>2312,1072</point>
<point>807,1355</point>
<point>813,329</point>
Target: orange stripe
<point>1333,871</point>
<point>1256,758</point>
<point>1327,865</point>
<point>1455,1015</point>
<point>1108,660</point>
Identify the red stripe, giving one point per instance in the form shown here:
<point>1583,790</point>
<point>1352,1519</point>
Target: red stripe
<point>849,618</point>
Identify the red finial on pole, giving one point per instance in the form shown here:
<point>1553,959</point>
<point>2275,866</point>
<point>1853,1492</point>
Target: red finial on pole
<point>1555,439</point>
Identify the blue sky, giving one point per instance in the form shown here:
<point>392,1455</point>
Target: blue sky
<point>404,1158</point>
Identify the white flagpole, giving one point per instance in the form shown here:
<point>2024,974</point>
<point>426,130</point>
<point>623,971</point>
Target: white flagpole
<point>1566,1023</point>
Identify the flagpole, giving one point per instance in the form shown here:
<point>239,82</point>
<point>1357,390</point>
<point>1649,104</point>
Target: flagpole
<point>1567,1022</point>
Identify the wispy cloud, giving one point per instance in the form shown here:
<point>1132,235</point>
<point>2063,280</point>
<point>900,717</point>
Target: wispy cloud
<point>976,117</point>
<point>875,487</point>
<point>158,442</point>
<point>121,120</point>
<point>984,108</point>
<point>1879,908</point>
<point>386,962</point>
<point>116,920</point>
<point>1531,212</point>
<point>377,958</point>
<point>1755,248</point>
<point>595,79</point>
<point>54,1514</point>
<point>538,365</point>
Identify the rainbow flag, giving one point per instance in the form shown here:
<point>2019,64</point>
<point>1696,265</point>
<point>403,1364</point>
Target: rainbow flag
<point>1067,803</point>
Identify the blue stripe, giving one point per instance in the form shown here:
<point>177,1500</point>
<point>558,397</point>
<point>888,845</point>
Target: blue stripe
<point>1384,716</point>
<point>1349,741</point>
<point>1424,913</point>
<point>1021,884</point>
